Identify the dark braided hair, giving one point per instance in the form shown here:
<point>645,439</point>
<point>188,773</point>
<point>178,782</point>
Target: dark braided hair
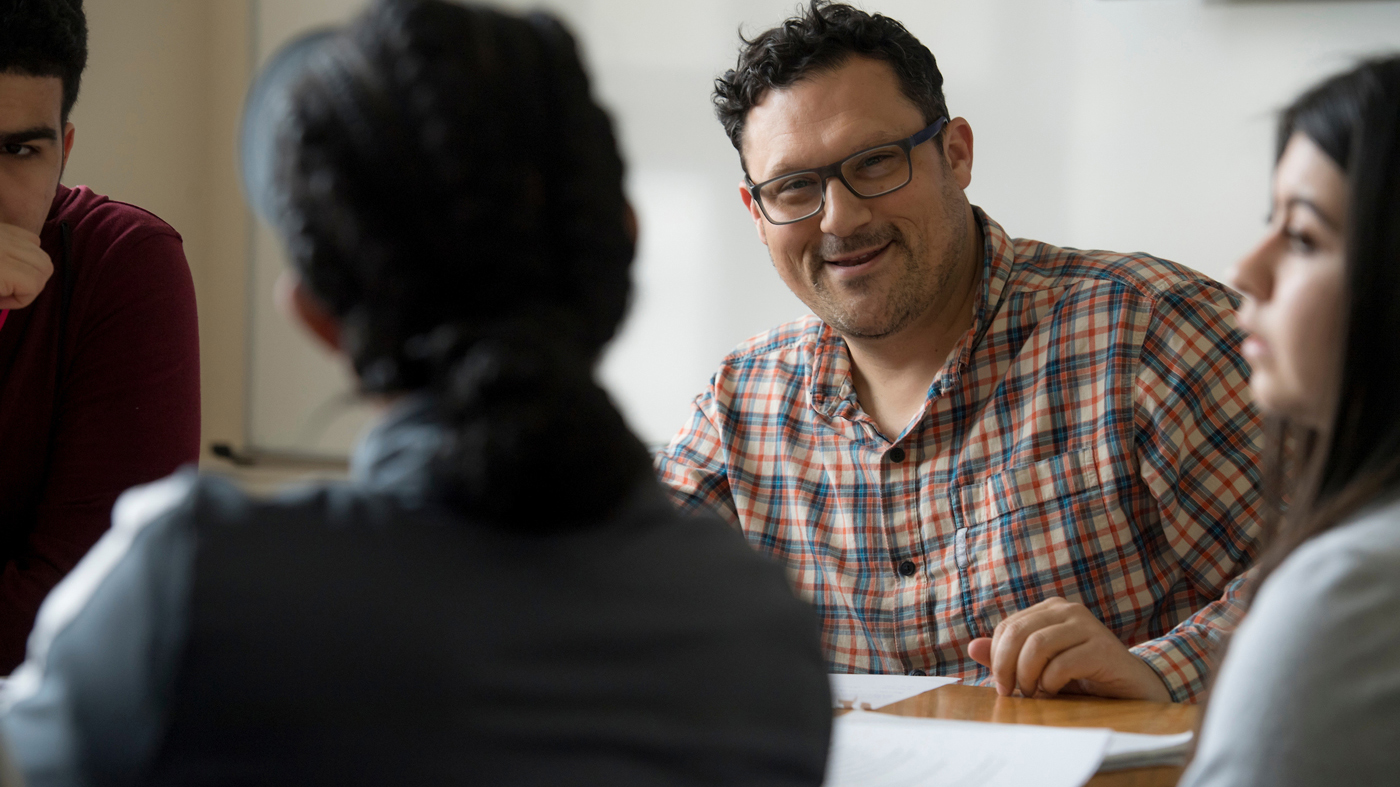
<point>821,38</point>
<point>45,38</point>
<point>453,195</point>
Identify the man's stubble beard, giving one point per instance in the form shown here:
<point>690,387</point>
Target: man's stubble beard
<point>913,288</point>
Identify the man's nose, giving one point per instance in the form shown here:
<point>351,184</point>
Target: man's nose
<point>844,212</point>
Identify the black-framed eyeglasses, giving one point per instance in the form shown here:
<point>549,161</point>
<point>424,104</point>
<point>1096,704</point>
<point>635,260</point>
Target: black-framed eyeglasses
<point>873,172</point>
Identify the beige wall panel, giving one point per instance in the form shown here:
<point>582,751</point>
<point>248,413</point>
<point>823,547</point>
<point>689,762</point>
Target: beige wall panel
<point>223,279</point>
<point>156,123</point>
<point>141,126</point>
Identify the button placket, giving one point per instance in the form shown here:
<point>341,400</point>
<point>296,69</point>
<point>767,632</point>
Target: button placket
<point>904,520</point>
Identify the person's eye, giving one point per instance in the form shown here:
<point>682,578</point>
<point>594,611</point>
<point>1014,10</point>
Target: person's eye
<point>795,184</point>
<point>876,159</point>
<point>20,151</point>
<point>1299,241</point>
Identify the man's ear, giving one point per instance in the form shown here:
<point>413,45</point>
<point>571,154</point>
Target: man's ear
<point>751,205</point>
<point>629,221</point>
<point>301,307</point>
<point>957,150</point>
<point>67,147</point>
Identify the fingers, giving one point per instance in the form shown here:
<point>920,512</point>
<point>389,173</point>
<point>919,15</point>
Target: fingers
<point>1079,661</point>
<point>1010,635</point>
<point>24,267</point>
<point>1042,649</point>
<point>19,233</point>
<point>1046,646</point>
<point>980,651</point>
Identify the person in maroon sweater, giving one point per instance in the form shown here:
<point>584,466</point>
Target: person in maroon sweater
<point>99,348</point>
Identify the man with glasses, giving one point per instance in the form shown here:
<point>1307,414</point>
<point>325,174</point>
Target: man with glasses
<point>981,456</point>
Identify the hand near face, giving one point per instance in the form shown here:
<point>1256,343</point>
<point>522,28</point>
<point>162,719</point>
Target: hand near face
<point>24,267</point>
<point>1059,646</point>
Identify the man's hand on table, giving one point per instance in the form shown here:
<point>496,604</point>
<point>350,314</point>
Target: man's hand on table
<point>24,267</point>
<point>1059,646</point>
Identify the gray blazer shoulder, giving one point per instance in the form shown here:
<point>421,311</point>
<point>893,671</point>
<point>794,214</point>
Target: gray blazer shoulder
<point>101,659</point>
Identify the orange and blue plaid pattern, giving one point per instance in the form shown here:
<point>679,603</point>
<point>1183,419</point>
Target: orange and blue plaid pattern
<point>1092,437</point>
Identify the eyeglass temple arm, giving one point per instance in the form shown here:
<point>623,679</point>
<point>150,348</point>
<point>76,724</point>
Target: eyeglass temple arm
<point>929,133</point>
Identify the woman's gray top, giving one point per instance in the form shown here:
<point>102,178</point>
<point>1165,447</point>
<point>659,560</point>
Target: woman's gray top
<point>360,634</point>
<point>1309,692</point>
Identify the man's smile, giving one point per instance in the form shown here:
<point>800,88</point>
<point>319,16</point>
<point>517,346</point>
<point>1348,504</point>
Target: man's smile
<point>850,265</point>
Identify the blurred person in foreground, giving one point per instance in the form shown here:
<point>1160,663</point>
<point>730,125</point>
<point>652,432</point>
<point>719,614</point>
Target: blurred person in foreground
<point>99,342</point>
<point>503,593</point>
<point>1309,691</point>
<point>980,456</point>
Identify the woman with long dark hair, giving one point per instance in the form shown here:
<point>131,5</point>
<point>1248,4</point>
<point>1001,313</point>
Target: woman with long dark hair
<point>1309,691</point>
<point>502,594</point>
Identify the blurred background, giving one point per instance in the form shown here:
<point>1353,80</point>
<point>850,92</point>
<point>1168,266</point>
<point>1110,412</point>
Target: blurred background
<point>1132,125</point>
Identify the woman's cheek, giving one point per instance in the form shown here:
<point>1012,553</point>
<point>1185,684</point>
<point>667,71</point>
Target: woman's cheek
<point>1315,341</point>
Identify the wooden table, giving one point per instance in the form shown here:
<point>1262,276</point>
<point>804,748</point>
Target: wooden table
<point>979,703</point>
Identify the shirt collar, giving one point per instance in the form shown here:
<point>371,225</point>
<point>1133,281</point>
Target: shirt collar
<point>396,453</point>
<point>998,262</point>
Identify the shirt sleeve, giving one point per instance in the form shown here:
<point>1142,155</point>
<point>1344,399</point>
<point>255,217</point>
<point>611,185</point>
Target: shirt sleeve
<point>1307,694</point>
<point>1198,433</point>
<point>89,704</point>
<point>128,414</point>
<point>693,465</point>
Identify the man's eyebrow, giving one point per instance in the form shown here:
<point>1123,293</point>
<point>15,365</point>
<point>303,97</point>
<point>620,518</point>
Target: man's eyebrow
<point>37,133</point>
<point>1331,223</point>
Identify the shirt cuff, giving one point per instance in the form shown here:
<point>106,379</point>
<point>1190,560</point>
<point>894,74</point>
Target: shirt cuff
<point>1182,664</point>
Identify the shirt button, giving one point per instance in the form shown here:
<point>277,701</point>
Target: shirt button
<point>918,673</point>
<point>907,568</point>
<point>896,454</point>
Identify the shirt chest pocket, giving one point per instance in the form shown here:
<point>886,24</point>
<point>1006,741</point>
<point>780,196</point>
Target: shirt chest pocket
<point>1035,531</point>
<point>1028,486</point>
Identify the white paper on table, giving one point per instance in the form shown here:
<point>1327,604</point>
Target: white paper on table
<point>1133,750</point>
<point>880,750</point>
<point>868,692</point>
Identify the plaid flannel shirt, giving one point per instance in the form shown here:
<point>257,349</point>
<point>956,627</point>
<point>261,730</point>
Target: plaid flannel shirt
<point>1091,437</point>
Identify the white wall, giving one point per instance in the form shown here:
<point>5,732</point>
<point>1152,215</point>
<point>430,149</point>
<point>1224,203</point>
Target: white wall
<point>1124,124</point>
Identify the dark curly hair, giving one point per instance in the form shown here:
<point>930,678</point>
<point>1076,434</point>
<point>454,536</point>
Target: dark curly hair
<point>45,38</point>
<point>454,196</point>
<point>822,38</point>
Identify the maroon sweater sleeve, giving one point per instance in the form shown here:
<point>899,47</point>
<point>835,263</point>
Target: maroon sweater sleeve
<point>126,411</point>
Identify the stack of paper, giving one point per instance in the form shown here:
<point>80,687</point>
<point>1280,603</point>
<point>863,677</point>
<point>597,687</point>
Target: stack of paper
<point>880,750</point>
<point>1130,750</point>
<point>868,692</point>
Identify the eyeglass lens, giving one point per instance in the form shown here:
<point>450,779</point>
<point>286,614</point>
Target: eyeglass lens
<point>869,174</point>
